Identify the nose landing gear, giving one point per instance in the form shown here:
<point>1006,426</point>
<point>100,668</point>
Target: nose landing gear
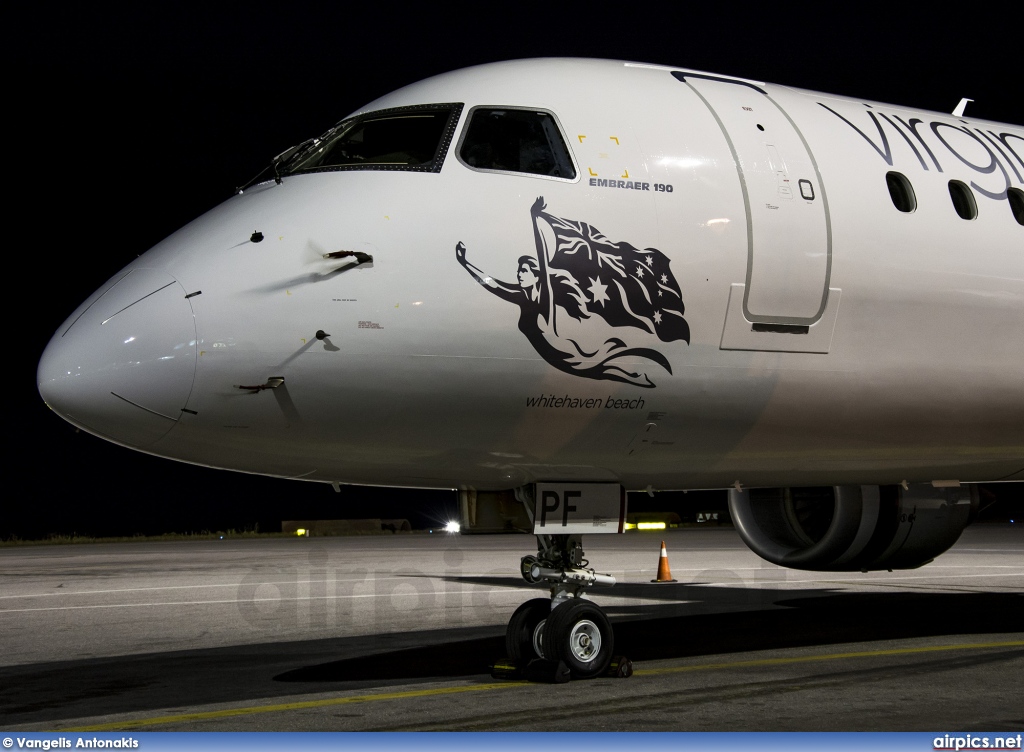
<point>567,628</point>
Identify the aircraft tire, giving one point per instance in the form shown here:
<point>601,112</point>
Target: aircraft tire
<point>522,628</point>
<point>578,632</point>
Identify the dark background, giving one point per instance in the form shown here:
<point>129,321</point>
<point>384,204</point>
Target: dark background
<point>122,125</point>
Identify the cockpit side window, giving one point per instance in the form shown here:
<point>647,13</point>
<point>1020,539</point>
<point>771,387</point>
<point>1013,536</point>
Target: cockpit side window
<point>507,139</point>
<point>404,138</point>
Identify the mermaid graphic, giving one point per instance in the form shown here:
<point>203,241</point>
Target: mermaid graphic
<point>628,287</point>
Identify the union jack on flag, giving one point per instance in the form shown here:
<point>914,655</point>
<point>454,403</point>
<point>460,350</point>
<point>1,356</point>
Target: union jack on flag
<point>625,286</point>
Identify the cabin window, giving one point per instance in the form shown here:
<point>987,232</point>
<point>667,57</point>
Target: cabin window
<point>963,200</point>
<point>901,192</point>
<point>506,139</point>
<point>1016,199</point>
<point>404,138</point>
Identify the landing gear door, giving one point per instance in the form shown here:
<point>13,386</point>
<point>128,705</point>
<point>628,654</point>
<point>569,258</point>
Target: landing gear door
<point>789,244</point>
<point>579,508</point>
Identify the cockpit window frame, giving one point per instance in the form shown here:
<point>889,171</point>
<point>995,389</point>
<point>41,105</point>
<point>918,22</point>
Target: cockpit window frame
<point>454,116</point>
<point>558,124</point>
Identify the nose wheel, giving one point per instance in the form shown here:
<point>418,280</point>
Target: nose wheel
<point>578,632</point>
<point>525,633</point>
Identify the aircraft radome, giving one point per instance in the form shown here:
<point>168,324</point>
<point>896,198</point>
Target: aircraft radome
<point>551,281</point>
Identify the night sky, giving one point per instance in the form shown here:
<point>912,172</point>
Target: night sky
<point>122,126</point>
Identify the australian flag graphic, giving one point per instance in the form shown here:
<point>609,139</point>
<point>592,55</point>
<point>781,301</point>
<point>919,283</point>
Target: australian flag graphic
<point>580,274</point>
<point>624,285</point>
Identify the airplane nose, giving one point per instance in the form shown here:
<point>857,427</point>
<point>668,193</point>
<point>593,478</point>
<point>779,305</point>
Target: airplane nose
<point>122,366</point>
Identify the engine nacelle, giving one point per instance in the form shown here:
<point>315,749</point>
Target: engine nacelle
<point>852,528</point>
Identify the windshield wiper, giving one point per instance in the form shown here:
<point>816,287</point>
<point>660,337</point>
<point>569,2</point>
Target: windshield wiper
<point>283,158</point>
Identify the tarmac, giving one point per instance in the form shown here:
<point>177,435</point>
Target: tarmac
<point>397,632</point>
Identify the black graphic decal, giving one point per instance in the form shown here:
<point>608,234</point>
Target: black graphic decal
<point>988,137</point>
<point>911,125</point>
<point>1005,139</point>
<point>985,170</point>
<point>885,152</point>
<point>579,273</point>
<point>909,142</point>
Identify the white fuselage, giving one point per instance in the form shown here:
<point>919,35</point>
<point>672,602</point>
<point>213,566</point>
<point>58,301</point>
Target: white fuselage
<point>910,365</point>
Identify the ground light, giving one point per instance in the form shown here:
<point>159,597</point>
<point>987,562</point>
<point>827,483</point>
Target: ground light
<point>452,527</point>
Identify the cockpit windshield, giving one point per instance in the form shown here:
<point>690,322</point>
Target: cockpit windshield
<point>507,139</point>
<point>406,138</point>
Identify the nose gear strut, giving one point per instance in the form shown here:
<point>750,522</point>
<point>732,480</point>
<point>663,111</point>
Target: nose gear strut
<point>559,561</point>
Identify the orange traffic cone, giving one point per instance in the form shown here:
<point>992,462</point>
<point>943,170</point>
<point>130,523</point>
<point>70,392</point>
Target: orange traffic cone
<point>664,573</point>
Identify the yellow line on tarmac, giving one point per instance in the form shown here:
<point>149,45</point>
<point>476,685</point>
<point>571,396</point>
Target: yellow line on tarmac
<point>185,717</point>
<point>832,657</point>
<point>253,710</point>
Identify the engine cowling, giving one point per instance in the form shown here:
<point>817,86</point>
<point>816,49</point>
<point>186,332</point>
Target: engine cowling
<point>852,528</point>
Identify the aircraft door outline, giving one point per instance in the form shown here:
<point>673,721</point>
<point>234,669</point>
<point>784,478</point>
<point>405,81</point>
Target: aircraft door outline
<point>789,230</point>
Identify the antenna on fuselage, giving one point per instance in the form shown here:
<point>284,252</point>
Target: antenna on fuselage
<point>959,111</point>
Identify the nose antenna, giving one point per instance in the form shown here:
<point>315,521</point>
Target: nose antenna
<point>272,383</point>
<point>359,256</point>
